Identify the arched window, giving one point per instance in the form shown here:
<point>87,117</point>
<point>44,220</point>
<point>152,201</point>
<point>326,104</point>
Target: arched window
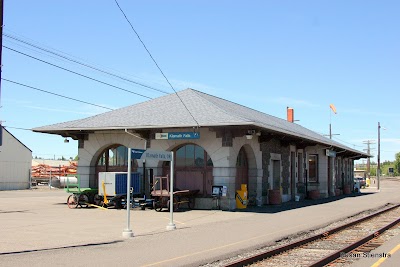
<point>114,159</point>
<point>192,156</point>
<point>193,169</point>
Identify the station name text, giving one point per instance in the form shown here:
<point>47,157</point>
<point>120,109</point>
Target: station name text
<point>165,157</point>
<point>180,136</point>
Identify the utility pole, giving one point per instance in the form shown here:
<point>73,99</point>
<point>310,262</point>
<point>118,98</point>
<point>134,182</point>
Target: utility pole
<point>330,132</point>
<point>1,52</point>
<point>1,42</point>
<point>378,170</point>
<point>368,143</point>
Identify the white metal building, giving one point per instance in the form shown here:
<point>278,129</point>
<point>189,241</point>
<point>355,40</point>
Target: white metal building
<point>15,162</point>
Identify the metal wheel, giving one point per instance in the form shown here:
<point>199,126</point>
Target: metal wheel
<point>97,200</point>
<point>175,205</point>
<point>83,201</point>
<point>157,205</point>
<point>72,201</point>
<point>122,202</point>
<point>191,202</point>
<point>118,203</point>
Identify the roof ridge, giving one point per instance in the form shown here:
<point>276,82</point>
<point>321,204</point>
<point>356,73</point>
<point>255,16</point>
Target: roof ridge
<point>197,92</point>
<point>249,108</point>
<point>261,113</point>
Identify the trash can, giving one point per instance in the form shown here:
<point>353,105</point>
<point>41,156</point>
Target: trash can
<point>241,197</point>
<point>274,197</point>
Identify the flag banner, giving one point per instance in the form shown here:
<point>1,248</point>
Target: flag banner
<point>333,108</point>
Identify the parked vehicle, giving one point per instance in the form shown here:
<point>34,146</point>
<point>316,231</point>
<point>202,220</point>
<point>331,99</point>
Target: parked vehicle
<point>361,180</point>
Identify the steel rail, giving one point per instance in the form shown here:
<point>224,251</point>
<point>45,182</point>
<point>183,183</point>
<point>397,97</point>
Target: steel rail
<point>353,246</point>
<point>268,254</point>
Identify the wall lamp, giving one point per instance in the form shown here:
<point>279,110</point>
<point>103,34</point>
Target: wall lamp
<point>250,134</point>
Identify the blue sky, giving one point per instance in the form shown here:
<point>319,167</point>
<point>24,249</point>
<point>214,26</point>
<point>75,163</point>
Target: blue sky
<point>266,55</point>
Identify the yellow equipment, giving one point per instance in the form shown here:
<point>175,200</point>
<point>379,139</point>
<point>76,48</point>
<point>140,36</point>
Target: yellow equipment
<point>104,191</point>
<point>241,197</point>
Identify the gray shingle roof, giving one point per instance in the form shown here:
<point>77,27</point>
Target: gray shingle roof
<point>169,112</point>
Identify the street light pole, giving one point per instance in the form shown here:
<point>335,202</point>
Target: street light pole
<point>171,225</point>
<point>378,170</point>
<point>127,233</point>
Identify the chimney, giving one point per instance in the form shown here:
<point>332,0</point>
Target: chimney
<point>290,114</point>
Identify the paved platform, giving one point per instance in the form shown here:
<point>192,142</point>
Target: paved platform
<point>37,229</point>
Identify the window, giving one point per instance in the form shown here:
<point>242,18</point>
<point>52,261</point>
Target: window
<point>193,169</point>
<point>313,168</point>
<point>192,156</point>
<point>115,156</point>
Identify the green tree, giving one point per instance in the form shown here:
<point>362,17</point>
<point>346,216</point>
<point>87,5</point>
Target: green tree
<point>373,171</point>
<point>397,163</point>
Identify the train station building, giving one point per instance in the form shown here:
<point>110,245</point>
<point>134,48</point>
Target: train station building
<point>219,143</point>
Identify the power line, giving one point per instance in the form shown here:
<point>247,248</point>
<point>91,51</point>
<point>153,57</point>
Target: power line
<point>87,77</point>
<point>155,62</point>
<point>74,57</point>
<point>83,64</point>
<point>18,128</point>
<point>67,97</point>
<point>347,142</point>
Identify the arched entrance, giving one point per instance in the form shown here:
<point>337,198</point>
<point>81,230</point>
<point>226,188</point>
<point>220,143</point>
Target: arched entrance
<point>193,169</point>
<point>242,169</point>
<point>114,158</point>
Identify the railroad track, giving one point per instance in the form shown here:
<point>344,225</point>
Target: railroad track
<point>333,248</point>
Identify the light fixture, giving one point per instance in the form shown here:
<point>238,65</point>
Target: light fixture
<point>250,134</point>
<point>66,140</point>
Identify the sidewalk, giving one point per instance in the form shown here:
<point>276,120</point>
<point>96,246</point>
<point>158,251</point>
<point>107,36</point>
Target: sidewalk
<point>40,222</point>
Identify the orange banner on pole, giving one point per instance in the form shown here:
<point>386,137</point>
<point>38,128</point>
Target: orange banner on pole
<point>333,108</point>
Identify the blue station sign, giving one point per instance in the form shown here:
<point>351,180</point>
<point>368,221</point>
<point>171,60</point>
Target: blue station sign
<point>137,153</point>
<point>178,135</point>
